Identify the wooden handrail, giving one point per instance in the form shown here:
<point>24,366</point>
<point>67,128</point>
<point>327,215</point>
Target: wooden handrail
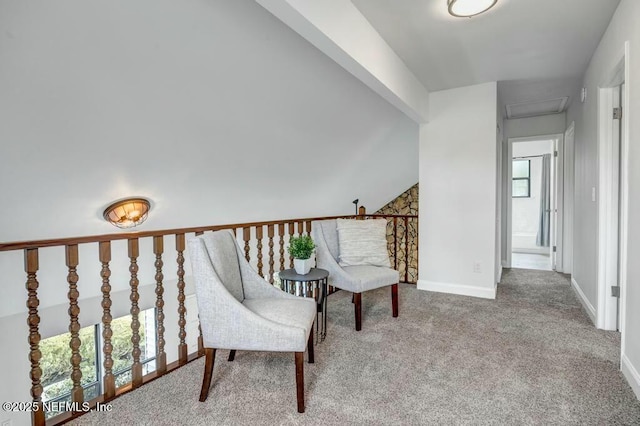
<point>21,245</point>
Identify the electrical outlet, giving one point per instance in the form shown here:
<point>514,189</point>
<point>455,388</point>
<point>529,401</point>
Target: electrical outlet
<point>477,267</point>
<point>593,194</point>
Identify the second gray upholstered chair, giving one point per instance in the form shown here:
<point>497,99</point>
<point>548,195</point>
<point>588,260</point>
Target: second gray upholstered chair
<point>238,309</point>
<point>355,279</point>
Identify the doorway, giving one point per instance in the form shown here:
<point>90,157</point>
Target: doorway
<point>534,202</point>
<point>613,178</point>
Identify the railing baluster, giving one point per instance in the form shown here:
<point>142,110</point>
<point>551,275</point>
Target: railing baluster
<point>395,243</point>
<point>33,320</point>
<point>291,233</point>
<point>307,227</point>
<point>300,228</point>
<point>182,310</point>
<point>270,234</point>
<point>136,367</point>
<point>71,258</point>
<point>107,333</point>
<point>161,357</point>
<point>281,234</point>
<point>246,236</point>
<point>406,249</point>
<point>259,248</point>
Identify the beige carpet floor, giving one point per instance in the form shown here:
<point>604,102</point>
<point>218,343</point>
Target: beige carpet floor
<point>530,357</point>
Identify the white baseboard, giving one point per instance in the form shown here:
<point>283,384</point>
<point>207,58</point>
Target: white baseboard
<point>505,264</point>
<point>499,276</point>
<point>463,290</point>
<point>591,311</point>
<point>631,374</point>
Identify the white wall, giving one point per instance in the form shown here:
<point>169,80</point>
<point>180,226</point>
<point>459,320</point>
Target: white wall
<point>216,106</point>
<point>216,111</point>
<point>623,27</point>
<point>458,195</point>
<point>214,121</point>
<point>525,212</point>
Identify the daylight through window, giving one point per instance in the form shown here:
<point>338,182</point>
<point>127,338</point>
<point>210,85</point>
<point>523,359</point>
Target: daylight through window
<point>56,358</point>
<point>521,184</point>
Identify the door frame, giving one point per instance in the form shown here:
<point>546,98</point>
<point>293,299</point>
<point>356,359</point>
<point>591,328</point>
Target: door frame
<point>610,240</point>
<point>569,186</point>
<point>559,194</point>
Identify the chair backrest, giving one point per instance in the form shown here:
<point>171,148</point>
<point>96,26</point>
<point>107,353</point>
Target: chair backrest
<point>327,231</point>
<point>221,248</point>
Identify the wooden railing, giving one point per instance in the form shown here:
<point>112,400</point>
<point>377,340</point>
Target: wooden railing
<point>402,244</point>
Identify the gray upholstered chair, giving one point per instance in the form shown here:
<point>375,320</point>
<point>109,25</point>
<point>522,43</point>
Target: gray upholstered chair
<point>239,310</point>
<point>355,279</point>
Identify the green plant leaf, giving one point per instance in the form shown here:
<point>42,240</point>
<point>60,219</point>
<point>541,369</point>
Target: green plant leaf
<point>301,247</point>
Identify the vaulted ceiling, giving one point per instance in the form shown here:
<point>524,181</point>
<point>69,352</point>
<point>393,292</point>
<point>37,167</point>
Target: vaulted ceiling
<point>540,48</point>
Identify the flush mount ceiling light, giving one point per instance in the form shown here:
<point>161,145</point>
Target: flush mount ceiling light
<point>127,213</point>
<point>469,8</point>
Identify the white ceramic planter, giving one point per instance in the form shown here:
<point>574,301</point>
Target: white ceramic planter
<point>302,266</point>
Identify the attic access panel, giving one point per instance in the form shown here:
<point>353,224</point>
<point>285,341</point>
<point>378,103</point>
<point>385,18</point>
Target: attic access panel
<point>533,109</point>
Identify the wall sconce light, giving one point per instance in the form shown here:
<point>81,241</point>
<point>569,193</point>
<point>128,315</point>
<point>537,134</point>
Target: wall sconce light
<point>356,203</point>
<point>127,213</point>
<point>469,8</point>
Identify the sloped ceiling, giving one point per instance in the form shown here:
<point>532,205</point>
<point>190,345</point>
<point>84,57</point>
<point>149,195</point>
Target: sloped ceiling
<point>215,110</point>
<point>539,45</point>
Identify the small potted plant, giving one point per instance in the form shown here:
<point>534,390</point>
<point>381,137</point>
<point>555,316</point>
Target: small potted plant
<point>301,248</point>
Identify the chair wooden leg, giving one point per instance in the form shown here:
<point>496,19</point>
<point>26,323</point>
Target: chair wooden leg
<point>232,355</point>
<point>394,299</point>
<point>210,357</point>
<point>310,347</point>
<point>300,380</point>
<point>357,299</point>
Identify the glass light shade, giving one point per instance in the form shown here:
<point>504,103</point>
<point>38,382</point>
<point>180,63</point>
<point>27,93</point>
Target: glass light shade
<point>127,213</point>
<point>469,8</point>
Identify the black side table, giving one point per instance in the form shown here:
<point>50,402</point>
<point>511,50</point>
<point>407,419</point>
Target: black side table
<point>313,284</point>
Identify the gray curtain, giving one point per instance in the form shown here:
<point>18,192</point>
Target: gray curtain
<point>543,238</point>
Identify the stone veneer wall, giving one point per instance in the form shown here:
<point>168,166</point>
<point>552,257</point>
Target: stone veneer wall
<point>405,204</point>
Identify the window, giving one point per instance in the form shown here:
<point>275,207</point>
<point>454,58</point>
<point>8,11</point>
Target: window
<point>56,366</point>
<point>56,355</point>
<point>521,184</point>
<point>122,346</point>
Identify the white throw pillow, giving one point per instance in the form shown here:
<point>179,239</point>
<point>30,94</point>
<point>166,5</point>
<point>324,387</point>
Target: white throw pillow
<point>363,242</point>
